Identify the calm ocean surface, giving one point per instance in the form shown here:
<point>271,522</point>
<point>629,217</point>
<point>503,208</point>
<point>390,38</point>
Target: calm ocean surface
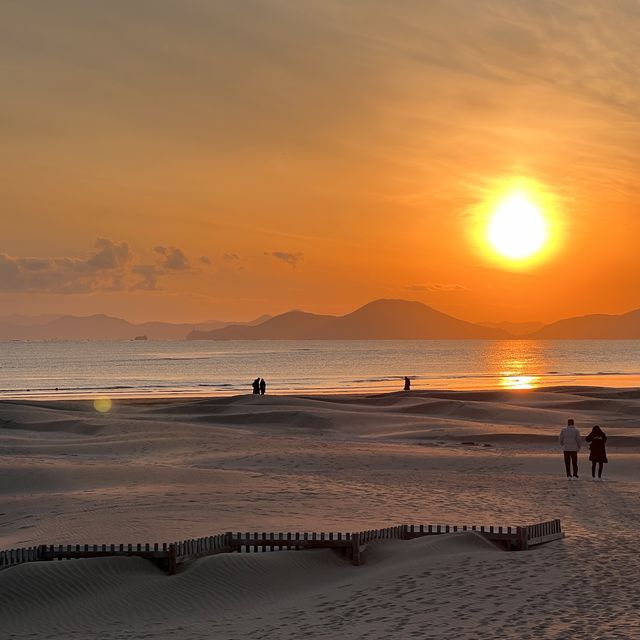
<point>133,369</point>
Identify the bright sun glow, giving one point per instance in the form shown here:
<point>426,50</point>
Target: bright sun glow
<point>517,229</point>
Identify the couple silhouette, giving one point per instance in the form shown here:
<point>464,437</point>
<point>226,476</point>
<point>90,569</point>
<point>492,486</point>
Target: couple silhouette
<point>259,386</point>
<point>570,441</point>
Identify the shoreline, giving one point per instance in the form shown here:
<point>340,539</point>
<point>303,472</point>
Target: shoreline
<point>570,384</point>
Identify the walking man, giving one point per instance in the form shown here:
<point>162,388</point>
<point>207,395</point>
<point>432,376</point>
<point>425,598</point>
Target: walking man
<point>263,386</point>
<point>570,443</point>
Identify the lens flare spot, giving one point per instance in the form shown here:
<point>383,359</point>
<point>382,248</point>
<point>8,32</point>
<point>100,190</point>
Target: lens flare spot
<point>102,405</point>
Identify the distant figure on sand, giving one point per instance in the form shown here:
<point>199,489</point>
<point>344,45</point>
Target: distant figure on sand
<point>263,386</point>
<point>570,443</point>
<point>407,383</point>
<point>597,439</point>
<point>256,386</point>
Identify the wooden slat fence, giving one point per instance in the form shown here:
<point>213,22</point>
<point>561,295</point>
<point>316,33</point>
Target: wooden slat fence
<point>543,532</point>
<point>275,541</point>
<point>13,557</point>
<point>361,539</point>
<point>170,555</point>
<point>508,537</point>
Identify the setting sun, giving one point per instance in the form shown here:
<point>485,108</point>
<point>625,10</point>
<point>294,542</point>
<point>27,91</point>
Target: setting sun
<point>517,229</point>
<point>517,222</point>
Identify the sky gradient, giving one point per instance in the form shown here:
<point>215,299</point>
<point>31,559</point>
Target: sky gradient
<point>186,160</point>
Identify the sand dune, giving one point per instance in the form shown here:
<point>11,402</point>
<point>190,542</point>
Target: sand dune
<point>91,595</point>
<point>160,470</point>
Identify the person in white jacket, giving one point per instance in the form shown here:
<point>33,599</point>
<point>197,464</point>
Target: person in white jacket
<point>570,443</point>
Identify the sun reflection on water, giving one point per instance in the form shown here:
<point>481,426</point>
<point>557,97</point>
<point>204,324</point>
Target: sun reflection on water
<point>517,364</point>
<point>519,382</point>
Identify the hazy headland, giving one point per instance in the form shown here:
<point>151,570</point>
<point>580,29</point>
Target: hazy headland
<point>377,320</point>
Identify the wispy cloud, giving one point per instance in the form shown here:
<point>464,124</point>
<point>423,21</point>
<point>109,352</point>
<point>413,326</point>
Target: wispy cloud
<point>292,259</point>
<point>435,287</point>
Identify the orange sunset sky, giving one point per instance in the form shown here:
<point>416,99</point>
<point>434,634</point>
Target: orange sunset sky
<point>186,160</point>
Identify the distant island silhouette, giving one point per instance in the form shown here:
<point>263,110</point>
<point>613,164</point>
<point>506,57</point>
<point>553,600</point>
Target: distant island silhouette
<point>515,328</point>
<point>406,320</point>
<point>377,320</point>
<point>97,327</point>
<point>592,327</point>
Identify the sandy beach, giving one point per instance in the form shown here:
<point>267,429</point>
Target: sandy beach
<point>162,470</point>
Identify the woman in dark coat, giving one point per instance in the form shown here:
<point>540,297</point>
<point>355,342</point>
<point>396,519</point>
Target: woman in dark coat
<point>597,439</point>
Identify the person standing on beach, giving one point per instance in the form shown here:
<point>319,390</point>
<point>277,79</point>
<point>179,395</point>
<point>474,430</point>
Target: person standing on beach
<point>570,443</point>
<point>256,386</point>
<point>263,386</point>
<point>407,383</point>
<point>597,439</point>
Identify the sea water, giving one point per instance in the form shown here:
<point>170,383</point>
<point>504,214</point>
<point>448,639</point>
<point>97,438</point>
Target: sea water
<point>191,368</point>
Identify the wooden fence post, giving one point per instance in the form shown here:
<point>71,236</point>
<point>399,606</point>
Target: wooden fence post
<point>171,560</point>
<point>355,549</point>
<point>522,539</point>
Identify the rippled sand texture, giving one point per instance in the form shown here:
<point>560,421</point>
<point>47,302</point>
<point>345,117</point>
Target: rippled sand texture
<point>158,471</point>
